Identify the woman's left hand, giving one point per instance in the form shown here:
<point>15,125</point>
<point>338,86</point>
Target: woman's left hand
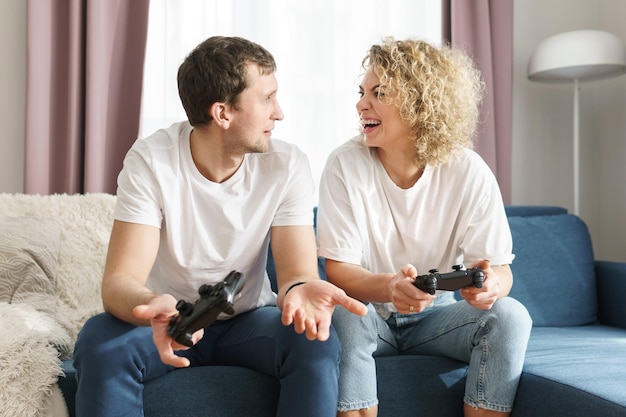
<point>485,297</point>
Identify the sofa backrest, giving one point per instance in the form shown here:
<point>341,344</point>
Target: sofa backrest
<point>528,211</point>
<point>554,268</point>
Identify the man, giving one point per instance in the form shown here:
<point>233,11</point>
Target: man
<point>195,201</point>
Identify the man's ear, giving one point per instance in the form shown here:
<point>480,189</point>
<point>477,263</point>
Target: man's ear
<point>220,113</point>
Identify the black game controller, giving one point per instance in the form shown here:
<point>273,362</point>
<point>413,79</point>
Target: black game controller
<point>451,281</point>
<point>214,299</point>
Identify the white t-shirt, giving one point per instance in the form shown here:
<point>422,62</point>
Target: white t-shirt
<point>454,214</point>
<point>209,229</point>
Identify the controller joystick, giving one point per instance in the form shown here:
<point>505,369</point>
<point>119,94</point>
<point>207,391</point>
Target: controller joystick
<point>184,307</point>
<point>451,281</point>
<point>214,299</point>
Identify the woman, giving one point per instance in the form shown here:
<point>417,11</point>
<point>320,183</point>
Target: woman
<point>408,195</point>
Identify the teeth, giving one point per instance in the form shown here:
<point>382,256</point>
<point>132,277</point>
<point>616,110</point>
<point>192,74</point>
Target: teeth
<point>370,122</point>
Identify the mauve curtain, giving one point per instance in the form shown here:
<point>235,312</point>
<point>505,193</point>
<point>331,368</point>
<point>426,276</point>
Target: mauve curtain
<point>85,69</point>
<point>484,28</point>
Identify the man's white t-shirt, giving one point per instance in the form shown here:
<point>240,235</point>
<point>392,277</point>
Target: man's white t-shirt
<point>207,228</point>
<point>453,215</point>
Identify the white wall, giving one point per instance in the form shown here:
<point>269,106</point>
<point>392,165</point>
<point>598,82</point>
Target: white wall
<point>13,97</point>
<point>542,118</point>
<point>543,124</point>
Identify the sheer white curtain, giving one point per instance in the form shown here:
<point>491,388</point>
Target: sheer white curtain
<point>318,46</point>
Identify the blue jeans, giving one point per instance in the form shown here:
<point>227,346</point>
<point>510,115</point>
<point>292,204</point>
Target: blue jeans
<point>493,343</point>
<point>114,358</point>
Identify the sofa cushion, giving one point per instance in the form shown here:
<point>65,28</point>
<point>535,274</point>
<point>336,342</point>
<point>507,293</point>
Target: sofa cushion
<point>553,269</point>
<point>403,383</point>
<point>216,391</point>
<point>420,385</point>
<point>577,366</point>
<point>29,251</point>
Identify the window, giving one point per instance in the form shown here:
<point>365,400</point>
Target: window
<point>318,46</point>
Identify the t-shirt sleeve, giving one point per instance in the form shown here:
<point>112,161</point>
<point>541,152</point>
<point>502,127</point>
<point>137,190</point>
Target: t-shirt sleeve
<point>138,197</point>
<point>488,235</point>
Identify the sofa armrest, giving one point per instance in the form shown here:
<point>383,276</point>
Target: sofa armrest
<point>611,280</point>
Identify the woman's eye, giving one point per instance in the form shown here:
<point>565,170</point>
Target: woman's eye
<point>360,93</point>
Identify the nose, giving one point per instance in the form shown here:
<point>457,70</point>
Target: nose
<point>362,104</point>
<point>278,112</point>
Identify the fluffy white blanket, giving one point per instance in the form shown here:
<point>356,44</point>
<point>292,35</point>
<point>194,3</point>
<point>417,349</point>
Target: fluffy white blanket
<point>39,326</point>
<point>29,364</point>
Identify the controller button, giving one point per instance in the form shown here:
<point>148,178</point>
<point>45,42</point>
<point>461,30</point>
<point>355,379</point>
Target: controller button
<point>204,290</point>
<point>184,307</point>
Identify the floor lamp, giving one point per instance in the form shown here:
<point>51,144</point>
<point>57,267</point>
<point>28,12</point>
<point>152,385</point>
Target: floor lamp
<point>581,55</point>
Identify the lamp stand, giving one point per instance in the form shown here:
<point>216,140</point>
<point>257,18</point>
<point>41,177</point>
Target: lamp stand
<point>578,55</point>
<point>576,148</point>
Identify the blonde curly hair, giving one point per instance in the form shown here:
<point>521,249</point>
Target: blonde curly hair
<point>437,91</point>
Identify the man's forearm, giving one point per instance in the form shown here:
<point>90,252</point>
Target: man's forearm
<point>120,295</point>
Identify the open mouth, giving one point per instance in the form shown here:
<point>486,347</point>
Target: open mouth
<point>369,124</point>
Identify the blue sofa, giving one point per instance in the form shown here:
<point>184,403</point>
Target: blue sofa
<point>575,364</point>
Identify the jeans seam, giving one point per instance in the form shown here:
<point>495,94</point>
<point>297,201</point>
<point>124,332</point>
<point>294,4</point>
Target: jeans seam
<point>444,331</point>
<point>483,361</point>
<point>482,400</point>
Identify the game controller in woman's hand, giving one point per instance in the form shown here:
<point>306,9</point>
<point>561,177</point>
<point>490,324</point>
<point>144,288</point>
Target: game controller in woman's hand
<point>450,281</point>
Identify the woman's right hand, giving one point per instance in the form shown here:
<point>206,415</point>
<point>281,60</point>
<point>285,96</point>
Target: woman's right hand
<point>405,296</point>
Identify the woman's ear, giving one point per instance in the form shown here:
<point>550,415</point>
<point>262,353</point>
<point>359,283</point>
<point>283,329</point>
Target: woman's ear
<point>220,113</point>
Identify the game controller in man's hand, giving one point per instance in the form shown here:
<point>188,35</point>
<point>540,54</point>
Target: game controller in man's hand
<point>450,281</point>
<point>214,299</point>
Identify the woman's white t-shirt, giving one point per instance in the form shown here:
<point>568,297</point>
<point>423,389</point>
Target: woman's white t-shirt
<point>208,228</point>
<point>453,215</point>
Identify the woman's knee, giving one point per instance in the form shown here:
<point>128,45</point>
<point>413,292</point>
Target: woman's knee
<point>511,315</point>
<point>358,334</point>
<point>513,310</point>
<point>349,325</point>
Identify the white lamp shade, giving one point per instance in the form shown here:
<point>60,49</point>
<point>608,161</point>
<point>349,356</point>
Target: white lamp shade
<point>582,54</point>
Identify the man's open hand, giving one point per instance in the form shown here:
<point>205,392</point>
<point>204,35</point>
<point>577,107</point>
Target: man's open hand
<point>309,307</point>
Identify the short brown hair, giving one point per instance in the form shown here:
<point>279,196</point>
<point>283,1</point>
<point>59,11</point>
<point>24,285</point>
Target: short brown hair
<point>215,71</point>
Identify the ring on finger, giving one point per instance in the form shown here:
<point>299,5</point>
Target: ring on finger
<point>410,309</point>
